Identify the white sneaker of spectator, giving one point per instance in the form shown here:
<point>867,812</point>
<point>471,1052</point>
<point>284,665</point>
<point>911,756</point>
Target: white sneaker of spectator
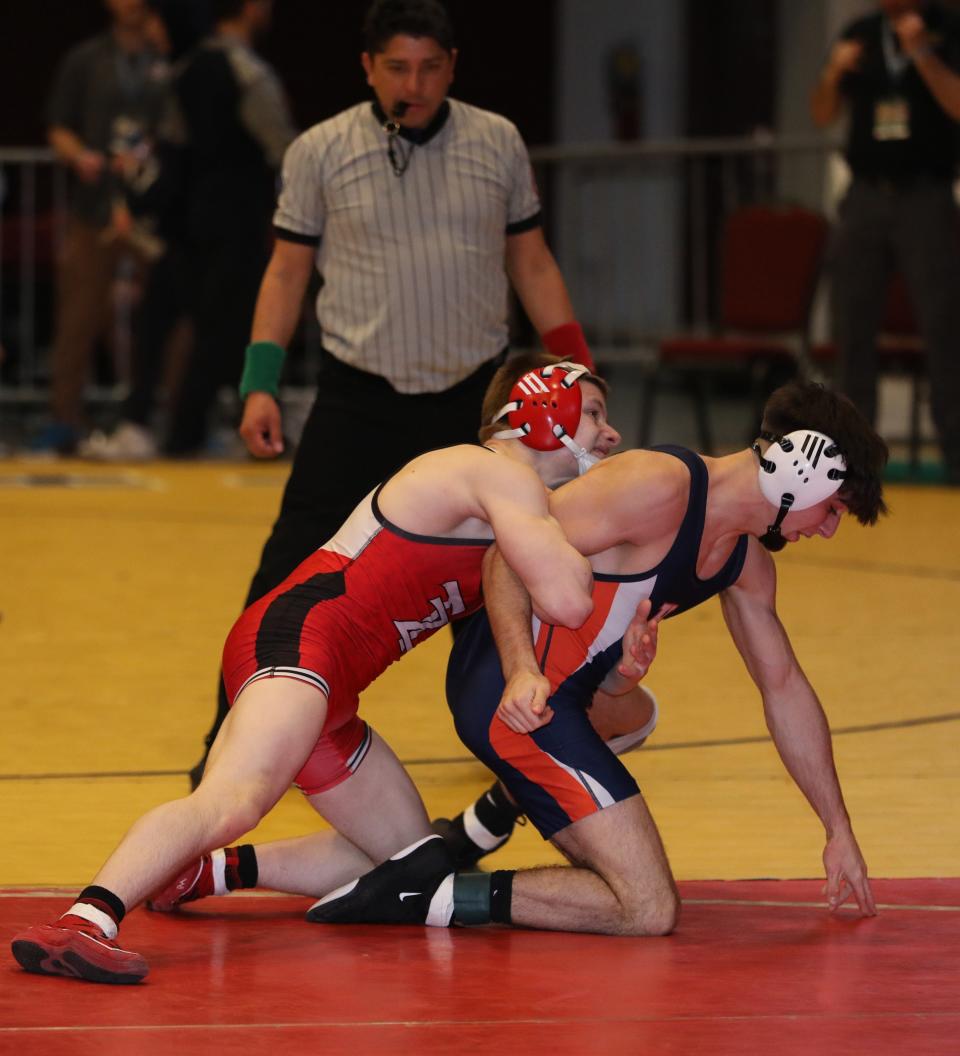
<point>129,442</point>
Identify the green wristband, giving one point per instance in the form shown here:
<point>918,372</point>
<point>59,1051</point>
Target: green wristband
<point>261,368</point>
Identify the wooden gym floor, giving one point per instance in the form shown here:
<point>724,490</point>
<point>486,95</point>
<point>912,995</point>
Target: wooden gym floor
<point>117,587</point>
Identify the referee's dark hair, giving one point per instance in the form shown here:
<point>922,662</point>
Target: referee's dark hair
<point>411,18</point>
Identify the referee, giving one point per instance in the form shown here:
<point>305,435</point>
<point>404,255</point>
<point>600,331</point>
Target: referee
<point>416,210</point>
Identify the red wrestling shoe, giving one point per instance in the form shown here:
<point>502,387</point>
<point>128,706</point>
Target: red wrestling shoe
<point>196,881</point>
<point>77,949</point>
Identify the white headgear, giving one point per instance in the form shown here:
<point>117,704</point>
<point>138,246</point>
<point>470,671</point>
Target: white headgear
<point>796,472</point>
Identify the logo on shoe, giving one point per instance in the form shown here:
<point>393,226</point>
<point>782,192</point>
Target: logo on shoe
<point>409,894</point>
<point>443,609</point>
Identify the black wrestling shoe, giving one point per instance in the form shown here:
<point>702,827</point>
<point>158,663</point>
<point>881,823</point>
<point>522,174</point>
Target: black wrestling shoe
<point>403,890</point>
<point>479,830</point>
<point>466,853</point>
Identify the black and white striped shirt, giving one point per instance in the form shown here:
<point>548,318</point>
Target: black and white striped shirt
<point>413,266</point>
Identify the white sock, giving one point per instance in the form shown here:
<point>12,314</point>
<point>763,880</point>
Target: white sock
<point>440,912</point>
<point>218,861</point>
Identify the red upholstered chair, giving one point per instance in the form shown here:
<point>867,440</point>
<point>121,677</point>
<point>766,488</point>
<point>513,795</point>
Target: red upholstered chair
<point>900,350</point>
<point>770,259</point>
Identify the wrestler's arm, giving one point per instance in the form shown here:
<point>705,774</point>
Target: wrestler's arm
<point>523,705</point>
<point>558,578</point>
<point>610,487</point>
<point>796,721</point>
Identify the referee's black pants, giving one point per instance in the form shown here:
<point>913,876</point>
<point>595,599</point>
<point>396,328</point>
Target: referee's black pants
<point>360,430</point>
<point>916,228</point>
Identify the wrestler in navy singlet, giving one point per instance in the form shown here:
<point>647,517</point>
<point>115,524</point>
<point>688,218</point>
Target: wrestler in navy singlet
<point>564,771</point>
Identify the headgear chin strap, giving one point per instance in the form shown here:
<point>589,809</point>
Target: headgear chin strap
<point>544,411</point>
<point>796,472</point>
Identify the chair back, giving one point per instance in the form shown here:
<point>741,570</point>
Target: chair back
<point>898,314</point>
<point>770,265</point>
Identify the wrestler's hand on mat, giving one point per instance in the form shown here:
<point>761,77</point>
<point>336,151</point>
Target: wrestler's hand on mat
<point>261,428</point>
<point>523,706</point>
<point>640,641</point>
<point>847,874</point>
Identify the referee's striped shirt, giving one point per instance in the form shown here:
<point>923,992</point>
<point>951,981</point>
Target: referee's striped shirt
<point>413,266</point>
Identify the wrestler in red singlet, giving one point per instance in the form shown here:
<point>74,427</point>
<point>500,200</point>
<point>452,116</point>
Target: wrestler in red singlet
<point>356,605</point>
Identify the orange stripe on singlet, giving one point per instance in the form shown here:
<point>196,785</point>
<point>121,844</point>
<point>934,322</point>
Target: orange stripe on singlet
<point>522,752</point>
<point>561,651</point>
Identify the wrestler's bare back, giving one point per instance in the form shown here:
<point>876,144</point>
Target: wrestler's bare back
<point>625,513</point>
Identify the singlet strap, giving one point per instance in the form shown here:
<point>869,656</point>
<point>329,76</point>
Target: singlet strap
<point>686,545</point>
<point>437,540</point>
<point>690,533</point>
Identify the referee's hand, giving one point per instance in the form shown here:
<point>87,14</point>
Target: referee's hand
<point>261,427</point>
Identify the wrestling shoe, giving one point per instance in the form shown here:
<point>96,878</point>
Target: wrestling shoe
<point>626,742</point>
<point>480,829</point>
<point>408,888</point>
<point>466,853</point>
<point>78,949</point>
<point>196,881</point>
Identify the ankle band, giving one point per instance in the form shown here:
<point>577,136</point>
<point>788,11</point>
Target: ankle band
<point>104,900</point>
<point>471,898</point>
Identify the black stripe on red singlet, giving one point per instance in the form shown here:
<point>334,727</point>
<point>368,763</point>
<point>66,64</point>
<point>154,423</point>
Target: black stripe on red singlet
<point>546,649</point>
<point>278,636</point>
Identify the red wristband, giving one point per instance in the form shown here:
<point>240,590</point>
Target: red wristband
<point>567,342</point>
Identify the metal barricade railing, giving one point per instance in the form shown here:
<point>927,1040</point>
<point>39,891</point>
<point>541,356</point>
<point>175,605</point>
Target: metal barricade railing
<point>33,211</point>
<point>590,191</point>
<point>33,194</point>
<point>683,189</point>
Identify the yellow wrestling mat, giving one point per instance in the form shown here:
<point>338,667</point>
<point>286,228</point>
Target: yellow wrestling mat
<point>118,586</point>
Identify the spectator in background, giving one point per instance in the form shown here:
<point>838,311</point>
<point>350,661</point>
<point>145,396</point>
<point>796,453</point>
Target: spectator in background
<point>107,100</point>
<point>225,144</point>
<point>899,71</point>
<point>416,209</point>
<point>154,197</point>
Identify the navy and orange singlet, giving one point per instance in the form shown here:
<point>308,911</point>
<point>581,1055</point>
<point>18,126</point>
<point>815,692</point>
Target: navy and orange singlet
<point>564,771</point>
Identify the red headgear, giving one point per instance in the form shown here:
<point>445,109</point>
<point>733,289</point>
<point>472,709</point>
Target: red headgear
<point>544,407</point>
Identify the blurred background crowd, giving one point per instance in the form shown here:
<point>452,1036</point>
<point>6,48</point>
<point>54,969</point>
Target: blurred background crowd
<point>734,190</point>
